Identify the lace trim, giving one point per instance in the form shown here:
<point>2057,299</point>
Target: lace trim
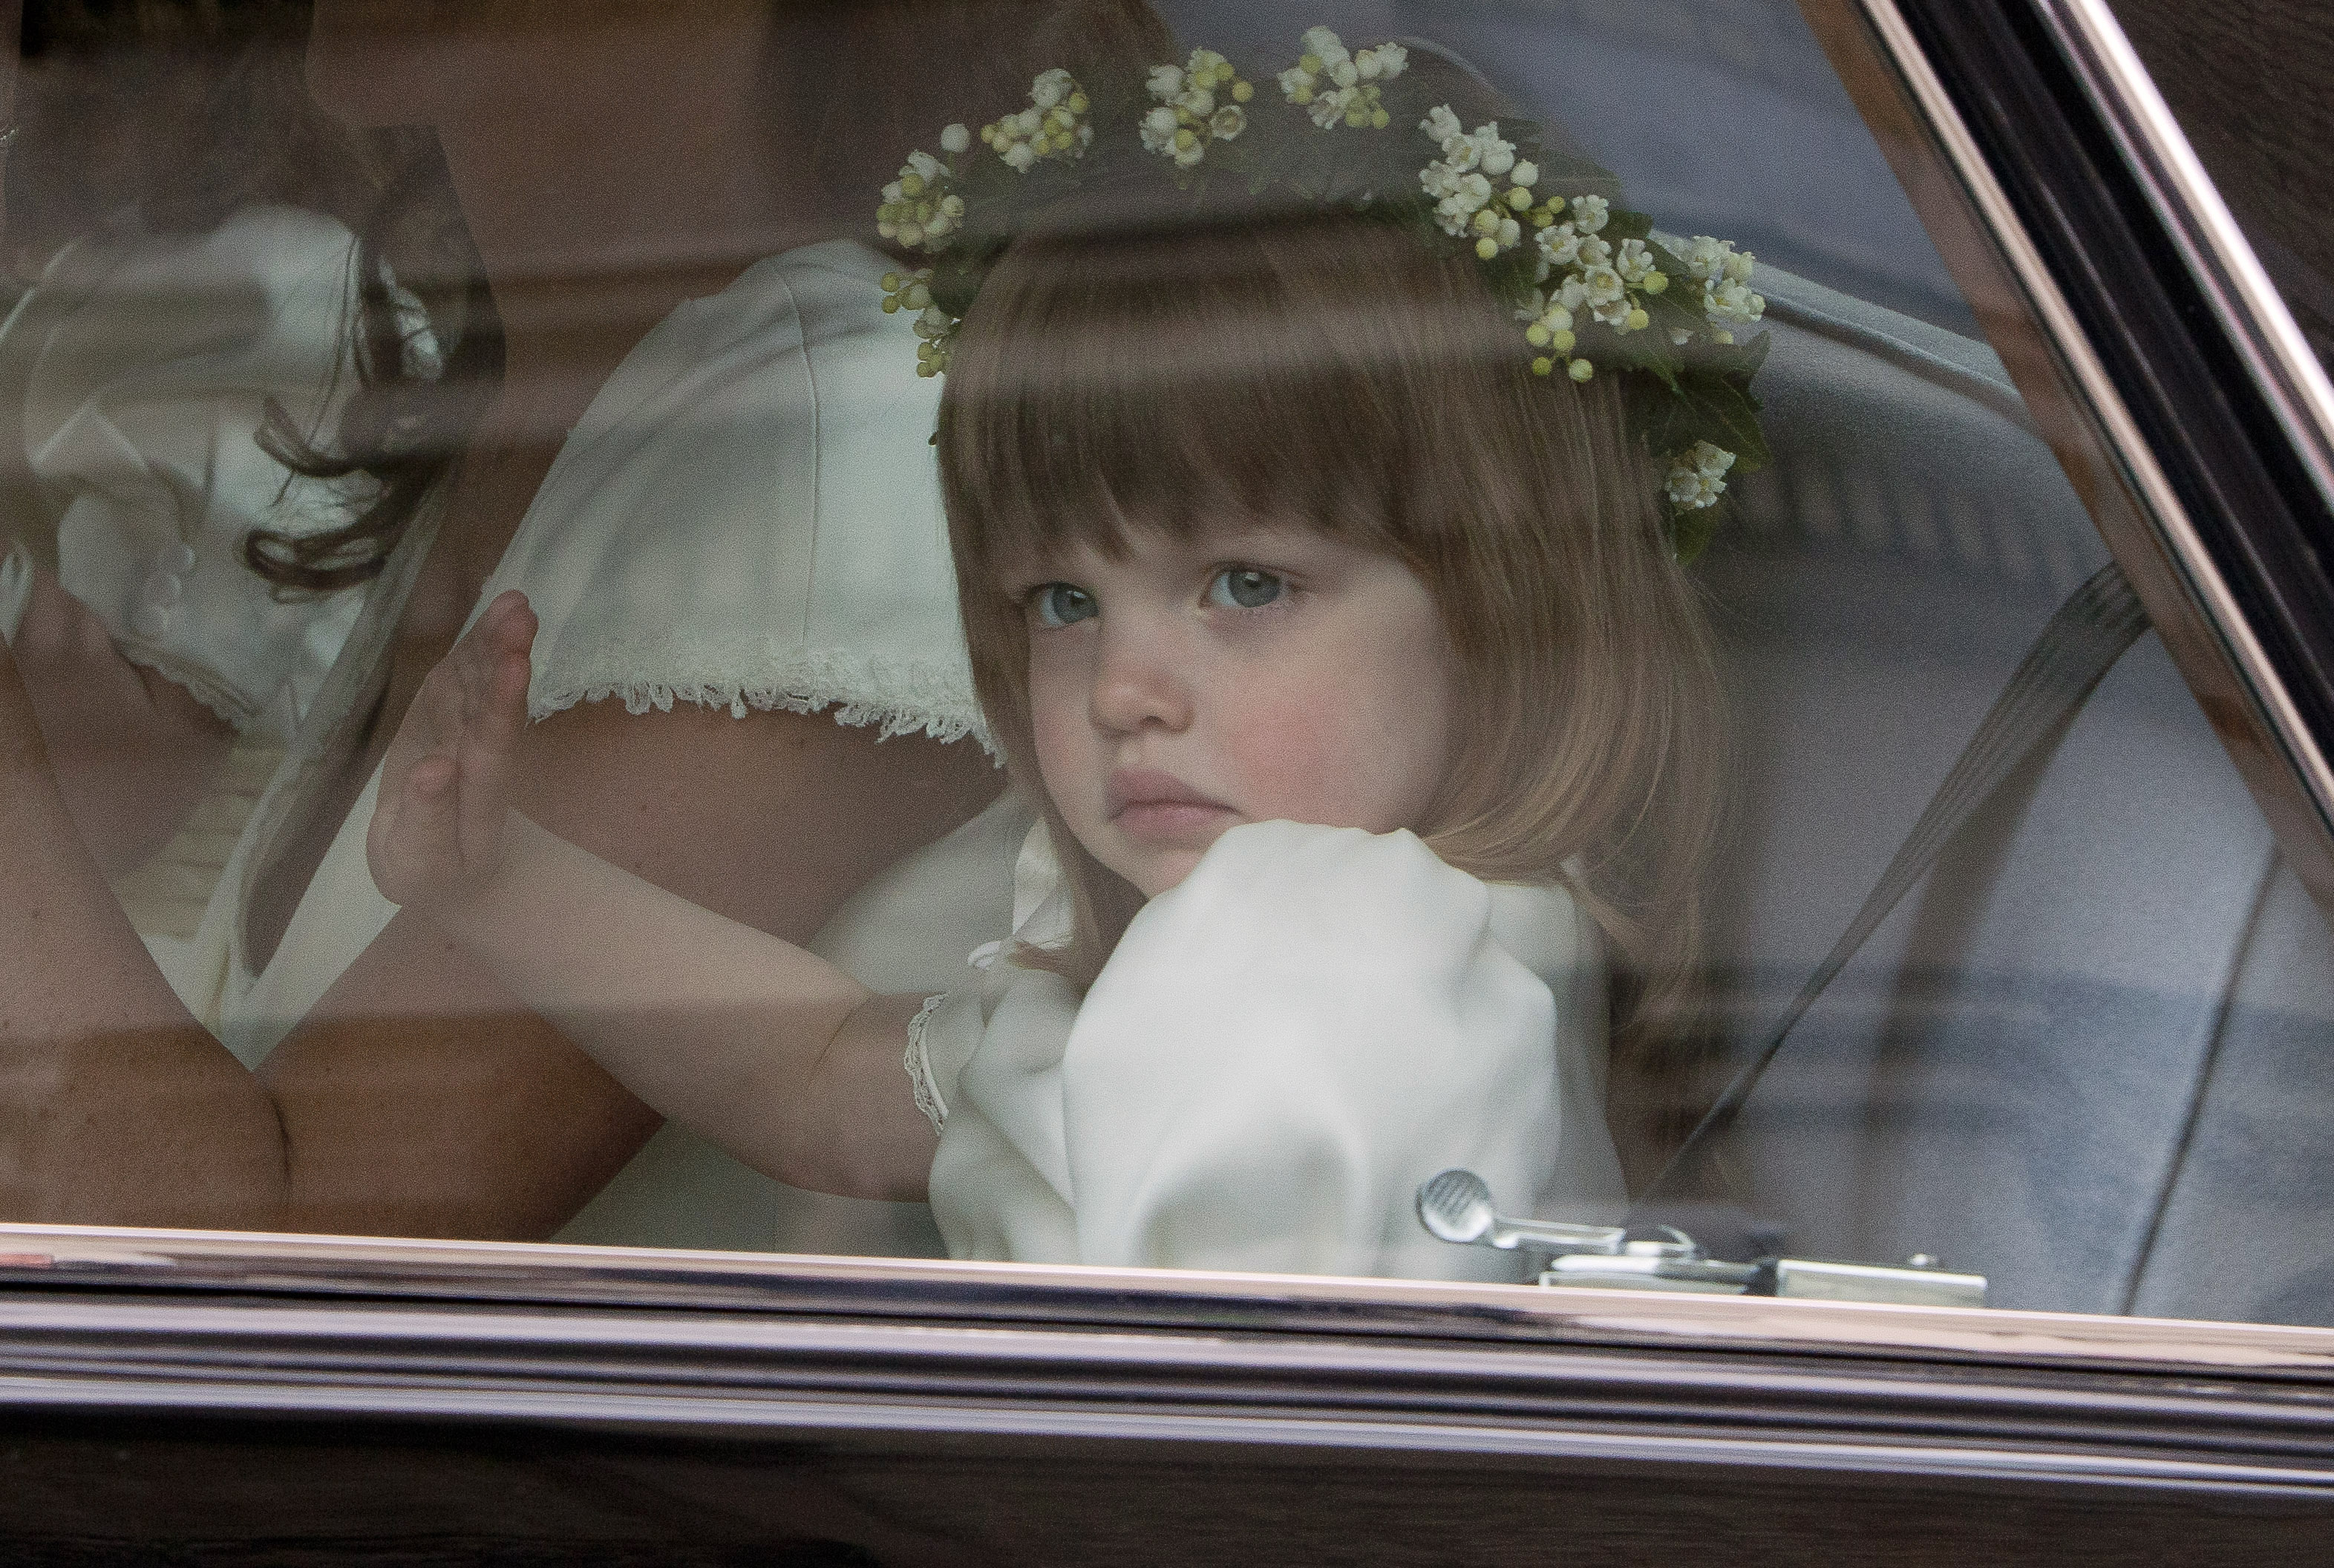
<point>900,699</point>
<point>919,1063</point>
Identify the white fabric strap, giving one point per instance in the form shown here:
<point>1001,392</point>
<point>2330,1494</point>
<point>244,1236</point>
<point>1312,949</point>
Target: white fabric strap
<point>16,589</point>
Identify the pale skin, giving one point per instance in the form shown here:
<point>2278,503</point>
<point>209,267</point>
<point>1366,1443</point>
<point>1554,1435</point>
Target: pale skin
<point>422,1096</point>
<point>1179,690</point>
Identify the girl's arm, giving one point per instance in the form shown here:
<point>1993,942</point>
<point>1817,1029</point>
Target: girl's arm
<point>768,1049</point>
<point>419,1097</point>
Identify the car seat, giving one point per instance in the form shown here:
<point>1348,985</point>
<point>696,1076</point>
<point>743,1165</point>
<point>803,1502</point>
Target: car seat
<point>2071,1057</point>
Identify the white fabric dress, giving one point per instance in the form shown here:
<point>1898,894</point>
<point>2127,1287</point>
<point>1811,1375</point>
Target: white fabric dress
<point>143,366</point>
<point>1278,1052</point>
<point>747,516</point>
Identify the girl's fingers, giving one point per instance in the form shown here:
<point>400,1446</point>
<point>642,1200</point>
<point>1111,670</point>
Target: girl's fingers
<point>445,781</point>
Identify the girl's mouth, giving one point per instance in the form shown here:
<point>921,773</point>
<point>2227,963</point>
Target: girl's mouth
<point>1160,808</point>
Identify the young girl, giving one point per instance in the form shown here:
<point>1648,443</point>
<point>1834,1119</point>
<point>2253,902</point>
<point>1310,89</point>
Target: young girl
<point>1363,700</point>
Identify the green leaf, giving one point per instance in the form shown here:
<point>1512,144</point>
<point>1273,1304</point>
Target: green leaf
<point>1724,414</point>
<point>1623,224</point>
<point>1690,531</point>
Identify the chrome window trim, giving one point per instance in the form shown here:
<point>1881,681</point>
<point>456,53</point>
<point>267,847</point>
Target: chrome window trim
<point>154,1326</point>
<point>2250,308</point>
<point>194,1267</point>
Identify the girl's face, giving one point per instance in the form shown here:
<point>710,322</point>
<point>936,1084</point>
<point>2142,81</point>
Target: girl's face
<point>1250,674</point>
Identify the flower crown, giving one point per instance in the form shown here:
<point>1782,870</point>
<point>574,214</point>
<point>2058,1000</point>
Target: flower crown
<point>1592,288</point>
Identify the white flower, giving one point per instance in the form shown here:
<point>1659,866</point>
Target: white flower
<point>1228,121</point>
<point>1166,82</point>
<point>1050,88</point>
<point>1442,124</point>
<point>1159,130</point>
<point>1345,73</point>
<point>1739,265</point>
<point>1385,62</point>
<point>1706,257</point>
<point>1602,287</point>
<point>1525,174</point>
<point>1594,251</point>
<point>1697,478</point>
<point>1494,156</point>
<point>1634,263</point>
<point>1020,158</point>
<point>1297,84</point>
<point>1329,108</point>
<point>925,165</point>
<point>1733,303</point>
<point>1590,212</point>
<point>1437,179</point>
<point>955,139</point>
<point>1462,153</point>
<point>1560,245</point>
<point>1199,102</point>
<point>1324,47</point>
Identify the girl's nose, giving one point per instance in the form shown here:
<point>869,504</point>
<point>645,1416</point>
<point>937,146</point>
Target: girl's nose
<point>1139,681</point>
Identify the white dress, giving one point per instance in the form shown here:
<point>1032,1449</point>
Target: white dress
<point>1278,1052</point>
<point>143,366</point>
<point>747,516</point>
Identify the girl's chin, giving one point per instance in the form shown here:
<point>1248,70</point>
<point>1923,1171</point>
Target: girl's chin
<point>1154,865</point>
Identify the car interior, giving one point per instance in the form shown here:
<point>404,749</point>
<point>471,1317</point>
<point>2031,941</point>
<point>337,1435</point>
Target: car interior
<point>2087,1057</point>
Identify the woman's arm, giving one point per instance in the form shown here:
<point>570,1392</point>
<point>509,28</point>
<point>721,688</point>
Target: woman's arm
<point>105,1081</point>
<point>748,1039</point>
<point>419,1097</point>
<point>130,749</point>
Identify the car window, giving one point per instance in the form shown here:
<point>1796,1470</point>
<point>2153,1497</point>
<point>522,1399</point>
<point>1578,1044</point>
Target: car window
<point>1275,638</point>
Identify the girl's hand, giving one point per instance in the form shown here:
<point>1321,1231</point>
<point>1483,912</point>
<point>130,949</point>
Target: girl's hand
<point>438,833</point>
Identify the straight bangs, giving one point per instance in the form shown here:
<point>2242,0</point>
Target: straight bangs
<point>1173,380</point>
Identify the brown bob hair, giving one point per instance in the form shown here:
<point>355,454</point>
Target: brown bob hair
<point>1334,369</point>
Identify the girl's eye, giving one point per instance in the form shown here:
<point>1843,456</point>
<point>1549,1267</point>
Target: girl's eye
<point>1061,604</point>
<point>1245,588</point>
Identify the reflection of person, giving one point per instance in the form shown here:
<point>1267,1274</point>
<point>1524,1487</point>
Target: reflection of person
<point>1326,633</point>
<point>740,537</point>
<point>190,274</point>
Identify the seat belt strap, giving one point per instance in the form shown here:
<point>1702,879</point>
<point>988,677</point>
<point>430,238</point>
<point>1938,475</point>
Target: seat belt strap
<point>2092,630</point>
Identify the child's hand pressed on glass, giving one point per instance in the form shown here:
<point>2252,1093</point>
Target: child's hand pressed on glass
<point>441,828</point>
<point>773,1051</point>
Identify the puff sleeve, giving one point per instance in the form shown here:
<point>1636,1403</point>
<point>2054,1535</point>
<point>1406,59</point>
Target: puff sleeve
<point>1278,1053</point>
<point>748,517</point>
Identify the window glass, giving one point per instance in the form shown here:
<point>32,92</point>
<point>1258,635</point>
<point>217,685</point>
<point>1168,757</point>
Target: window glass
<point>1144,626</point>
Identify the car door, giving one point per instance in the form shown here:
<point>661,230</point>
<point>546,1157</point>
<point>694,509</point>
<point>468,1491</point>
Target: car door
<point>2022,348</point>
